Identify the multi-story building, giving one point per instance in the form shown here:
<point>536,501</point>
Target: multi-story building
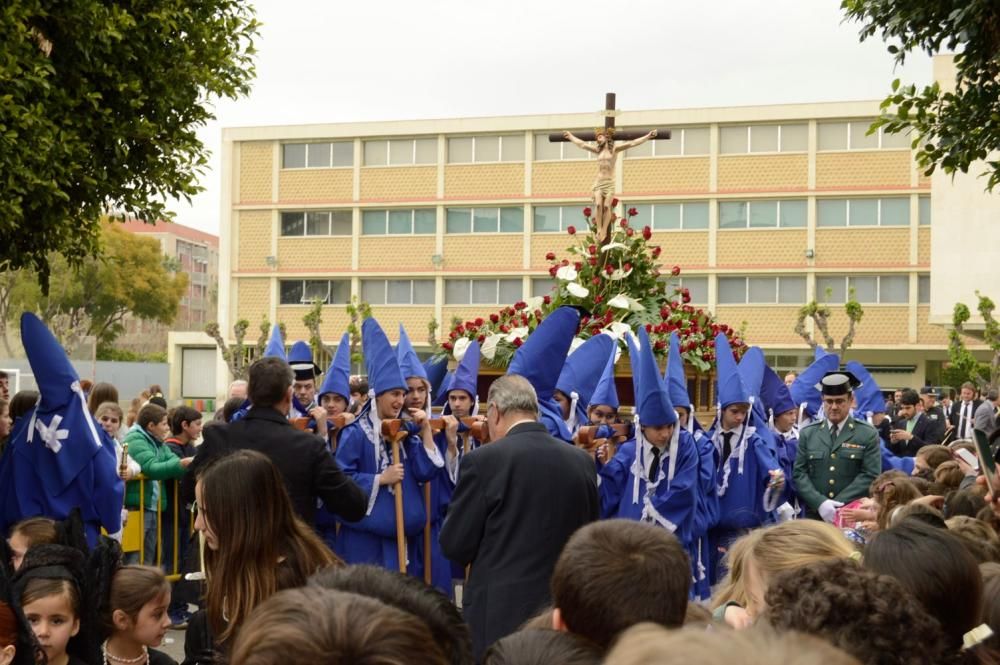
<point>193,253</point>
<point>764,208</point>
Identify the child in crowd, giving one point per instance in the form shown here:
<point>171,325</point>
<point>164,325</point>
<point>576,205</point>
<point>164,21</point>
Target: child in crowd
<point>185,430</point>
<point>929,458</point>
<point>28,533</point>
<point>542,647</point>
<point>8,634</point>
<point>889,496</point>
<point>49,590</point>
<point>137,617</point>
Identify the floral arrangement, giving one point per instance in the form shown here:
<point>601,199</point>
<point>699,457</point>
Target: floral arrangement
<point>619,286</point>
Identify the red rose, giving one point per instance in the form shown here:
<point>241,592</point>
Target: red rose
<point>596,280</point>
<point>564,262</point>
<point>609,268</point>
<point>632,212</point>
<point>584,321</point>
<point>524,319</point>
<point>479,321</point>
<point>623,223</point>
<point>592,260</point>
<point>547,299</point>
<point>447,345</point>
<point>578,265</point>
<point>551,256</point>
<point>673,304</point>
<point>571,230</point>
<point>460,329</point>
<point>686,297</point>
<point>664,312</point>
<point>629,231</point>
<point>481,339</point>
<point>614,203</point>
<point>608,316</point>
<point>627,267</point>
<point>598,298</point>
<point>649,327</point>
<point>518,342</point>
<point>505,329</point>
<point>592,249</point>
<point>647,233</point>
<point>676,270</point>
<point>452,335</point>
<point>660,345</point>
<point>553,270</point>
<point>656,252</point>
<point>706,356</point>
<point>494,318</point>
<point>586,212</point>
<point>519,305</point>
<point>538,314</point>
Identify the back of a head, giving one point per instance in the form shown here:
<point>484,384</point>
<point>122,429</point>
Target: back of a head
<point>962,502</point>
<point>22,402</point>
<point>991,600</point>
<point>101,392</point>
<point>936,568</point>
<point>513,394</point>
<point>314,625</point>
<point>269,381</point>
<point>935,455</point>
<point>542,647</point>
<point>868,615</point>
<point>616,573</point>
<point>647,644</point>
<point>798,543</point>
<point>231,406</point>
<point>408,594</point>
<point>920,512</point>
<point>978,537</point>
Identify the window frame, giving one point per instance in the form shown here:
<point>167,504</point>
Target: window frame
<point>749,203</point>
<point>386,211</point>
<point>878,213</point>
<point>470,282</point>
<point>305,166</point>
<point>878,288</point>
<point>385,291</point>
<point>305,223</point>
<point>302,283</point>
<point>746,290</point>
<point>472,220</point>
<point>388,154</point>
<point>582,155</point>
<point>849,123</point>
<point>475,139</point>
<point>562,220</point>
<point>749,139</point>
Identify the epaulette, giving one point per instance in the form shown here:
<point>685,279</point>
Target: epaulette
<point>812,424</point>
<point>863,423</point>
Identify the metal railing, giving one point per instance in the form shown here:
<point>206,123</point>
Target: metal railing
<point>133,532</point>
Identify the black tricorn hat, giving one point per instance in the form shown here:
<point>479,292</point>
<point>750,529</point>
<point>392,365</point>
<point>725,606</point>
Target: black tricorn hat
<point>839,382</point>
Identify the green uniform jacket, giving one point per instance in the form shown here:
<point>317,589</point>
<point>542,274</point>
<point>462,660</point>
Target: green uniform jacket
<point>158,462</point>
<point>841,470</point>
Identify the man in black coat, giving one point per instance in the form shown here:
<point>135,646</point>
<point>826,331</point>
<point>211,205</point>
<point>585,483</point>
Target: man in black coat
<point>302,458</point>
<point>913,429</point>
<point>517,502</point>
<point>962,417</point>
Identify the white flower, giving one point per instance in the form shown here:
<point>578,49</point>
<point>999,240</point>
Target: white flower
<point>534,303</point>
<point>620,301</point>
<point>566,273</point>
<point>461,346</point>
<point>575,344</point>
<point>614,245</point>
<point>489,346</point>
<point>617,329</point>
<point>516,333</point>
<point>576,290</point>
<point>619,275</point>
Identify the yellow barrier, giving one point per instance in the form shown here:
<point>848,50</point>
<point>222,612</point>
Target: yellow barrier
<point>133,536</point>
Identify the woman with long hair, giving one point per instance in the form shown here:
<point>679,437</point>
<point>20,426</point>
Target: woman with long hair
<point>255,544</point>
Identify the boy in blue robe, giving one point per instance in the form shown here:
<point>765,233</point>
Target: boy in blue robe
<point>749,479</point>
<point>579,377</point>
<point>706,500</point>
<point>603,407</point>
<point>804,392</point>
<point>541,359</point>
<point>367,458</point>
<point>653,477</point>
<point>782,417</point>
<point>334,396</point>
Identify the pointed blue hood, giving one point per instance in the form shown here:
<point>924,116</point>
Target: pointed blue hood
<point>751,367</point>
<point>541,359</point>
<point>584,367</point>
<point>338,377</point>
<point>674,375</point>
<point>436,369</point>
<point>275,345</point>
<point>466,375</point>
<point>300,359</point>
<point>652,402</point>
<point>605,392</point>
<point>380,359</point>
<point>441,395</point>
<point>775,394</point>
<point>409,362</point>
<point>633,358</point>
<point>731,387</point>
<point>868,394</point>
<point>804,390</point>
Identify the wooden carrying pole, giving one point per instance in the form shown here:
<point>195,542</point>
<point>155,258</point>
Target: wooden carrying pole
<point>391,430</point>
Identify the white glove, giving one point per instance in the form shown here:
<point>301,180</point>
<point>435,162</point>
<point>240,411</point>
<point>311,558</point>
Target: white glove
<point>828,509</point>
<point>785,512</point>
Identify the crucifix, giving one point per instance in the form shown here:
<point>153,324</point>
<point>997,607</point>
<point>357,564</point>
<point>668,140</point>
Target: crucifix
<point>606,142</point>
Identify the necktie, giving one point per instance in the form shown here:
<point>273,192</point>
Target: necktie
<point>833,431</point>
<point>727,447</point>
<point>963,421</point>
<point>654,468</point>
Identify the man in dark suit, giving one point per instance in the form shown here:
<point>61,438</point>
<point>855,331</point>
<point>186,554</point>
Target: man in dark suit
<point>517,502</point>
<point>305,463</point>
<point>913,428</point>
<point>963,412</point>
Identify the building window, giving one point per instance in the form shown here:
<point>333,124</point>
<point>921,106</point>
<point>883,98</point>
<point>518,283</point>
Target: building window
<point>762,290</point>
<point>400,152</point>
<point>762,214</point>
<point>697,287</point>
<point>484,220</point>
<point>482,291</point>
<point>863,212</point>
<point>475,149</point>
<point>552,219</point>
<point>854,135</point>
<point>742,139</point>
<point>420,221</point>
<point>398,291</point>
<point>545,150</point>
<point>684,141</point>
<point>672,216</point>
<point>306,291</point>
<point>316,223</point>
<point>868,289</point>
<point>924,210</point>
<point>542,286</point>
<point>317,155</point>
<point>923,289</point>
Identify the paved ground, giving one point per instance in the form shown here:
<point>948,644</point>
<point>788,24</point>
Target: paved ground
<point>173,644</point>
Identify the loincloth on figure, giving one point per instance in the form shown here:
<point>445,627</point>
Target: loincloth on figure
<point>605,186</point>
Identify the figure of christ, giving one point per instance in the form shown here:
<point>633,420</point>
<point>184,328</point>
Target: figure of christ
<point>604,187</point>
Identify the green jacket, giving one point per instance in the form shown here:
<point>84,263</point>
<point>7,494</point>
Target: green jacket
<point>841,470</point>
<point>158,463</point>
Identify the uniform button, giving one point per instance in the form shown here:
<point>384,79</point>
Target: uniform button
<point>833,482</point>
<point>833,468</point>
<point>830,495</point>
<point>833,456</point>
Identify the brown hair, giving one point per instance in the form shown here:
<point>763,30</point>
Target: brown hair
<point>22,402</point>
<point>991,600</point>
<point>949,476</point>
<point>150,414</point>
<point>37,531</point>
<point>890,495</point>
<point>102,392</point>
<point>732,588</point>
<point>263,546</point>
<point>645,575</point>
<point>37,588</point>
<point>313,625</point>
<point>542,647</point>
<point>868,615</point>
<point>978,537</point>
<point>133,411</point>
<point>112,407</point>
<point>131,588</point>
<point>8,625</point>
<point>647,644</point>
<point>935,455</point>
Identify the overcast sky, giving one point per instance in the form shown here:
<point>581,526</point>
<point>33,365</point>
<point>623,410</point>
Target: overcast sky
<point>321,61</point>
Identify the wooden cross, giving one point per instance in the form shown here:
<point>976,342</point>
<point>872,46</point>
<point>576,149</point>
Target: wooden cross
<point>609,113</point>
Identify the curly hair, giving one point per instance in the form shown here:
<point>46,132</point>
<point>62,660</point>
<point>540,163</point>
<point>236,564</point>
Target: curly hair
<point>868,615</point>
<point>978,537</point>
<point>890,495</point>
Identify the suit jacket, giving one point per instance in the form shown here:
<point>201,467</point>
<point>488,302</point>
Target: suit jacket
<point>517,502</point>
<point>925,432</point>
<point>302,458</point>
<point>956,412</point>
<point>841,469</point>
<point>986,417</point>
